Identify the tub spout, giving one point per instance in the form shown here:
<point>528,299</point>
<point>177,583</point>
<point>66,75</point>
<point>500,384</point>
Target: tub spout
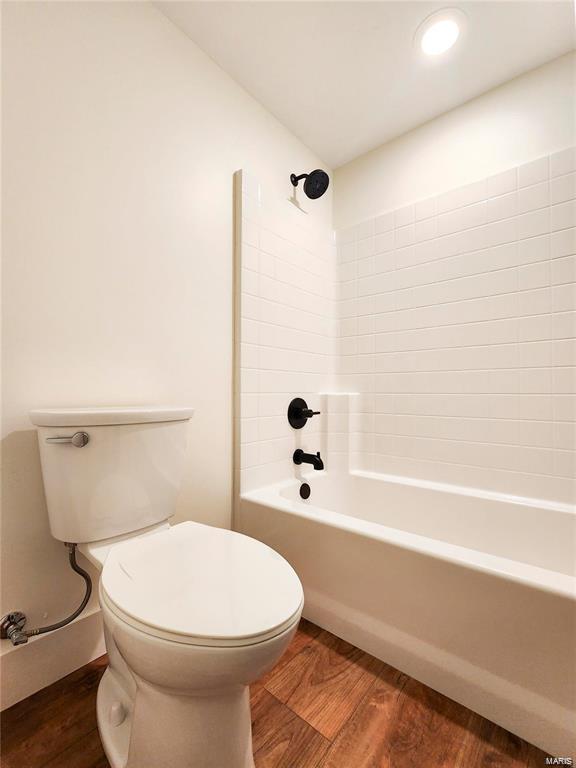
<point>300,457</point>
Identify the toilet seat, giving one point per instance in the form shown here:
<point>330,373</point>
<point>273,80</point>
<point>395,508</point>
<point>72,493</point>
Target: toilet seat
<point>200,585</point>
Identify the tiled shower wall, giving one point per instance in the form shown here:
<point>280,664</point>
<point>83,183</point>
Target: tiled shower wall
<point>285,330</point>
<point>456,324</point>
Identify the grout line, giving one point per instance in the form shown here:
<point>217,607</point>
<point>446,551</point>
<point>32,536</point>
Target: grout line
<point>458,254</point>
<point>450,325</point>
<point>460,418</point>
<point>416,372</point>
<point>456,232</point>
<point>470,276</point>
<point>437,349</point>
<point>481,467</point>
<point>443,438</point>
<point>396,310</point>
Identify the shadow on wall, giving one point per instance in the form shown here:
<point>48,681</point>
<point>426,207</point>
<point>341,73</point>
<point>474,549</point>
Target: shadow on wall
<point>35,574</point>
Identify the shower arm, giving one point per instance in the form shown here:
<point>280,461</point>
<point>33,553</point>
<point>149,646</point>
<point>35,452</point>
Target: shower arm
<point>12,625</point>
<point>295,179</point>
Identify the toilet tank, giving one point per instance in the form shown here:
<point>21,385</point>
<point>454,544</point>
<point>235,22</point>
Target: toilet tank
<point>125,477</point>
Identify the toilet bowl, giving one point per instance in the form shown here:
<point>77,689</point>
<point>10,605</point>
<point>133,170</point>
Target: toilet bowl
<point>196,614</point>
<point>192,614</point>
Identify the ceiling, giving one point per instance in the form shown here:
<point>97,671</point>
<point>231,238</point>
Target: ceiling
<point>346,77</point>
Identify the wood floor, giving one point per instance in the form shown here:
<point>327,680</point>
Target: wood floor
<point>325,705</point>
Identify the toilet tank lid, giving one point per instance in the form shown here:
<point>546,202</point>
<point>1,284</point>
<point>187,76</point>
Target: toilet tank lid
<point>107,416</point>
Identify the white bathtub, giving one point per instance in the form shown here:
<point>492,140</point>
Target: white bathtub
<point>470,592</point>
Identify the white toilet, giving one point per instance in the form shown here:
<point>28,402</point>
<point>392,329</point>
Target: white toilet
<point>192,614</point>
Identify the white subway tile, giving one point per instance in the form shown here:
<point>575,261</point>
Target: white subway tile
<point>563,243</point>
<point>425,209</point>
<point>384,242</point>
<point>404,236</point>
<point>384,223</point>
<point>366,267</point>
<point>249,307</point>
<point>563,162</point>
<point>250,282</point>
<point>534,249</point>
<point>248,405</point>
<point>365,248</point>
<point>463,218</point>
<point>534,197</point>
<point>248,430</point>
<point>249,380</point>
<point>347,271</point>
<point>426,229</point>
<point>250,233</point>
<point>249,331</point>
<point>563,352</point>
<point>346,252</point>
<point>536,302</point>
<point>250,455</point>
<point>497,233</point>
<point>533,276</point>
<point>563,325</point>
<point>249,355</point>
<point>534,224</point>
<point>271,404</point>
<point>534,354</point>
<point>533,172</point>
<point>564,407</point>
<point>365,229</point>
<point>502,207</point>
<point>502,183</point>
<point>404,216</point>
<point>564,380</point>
<point>458,198</point>
<point>564,297</point>
<point>563,216</point>
<point>563,188</point>
<point>564,435</point>
<point>563,270</point>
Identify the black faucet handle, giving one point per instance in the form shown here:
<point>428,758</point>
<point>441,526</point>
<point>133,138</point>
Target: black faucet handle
<point>299,413</point>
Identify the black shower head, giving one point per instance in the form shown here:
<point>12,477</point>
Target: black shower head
<point>316,182</point>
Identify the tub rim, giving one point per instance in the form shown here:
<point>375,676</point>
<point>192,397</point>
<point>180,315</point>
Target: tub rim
<point>536,577</point>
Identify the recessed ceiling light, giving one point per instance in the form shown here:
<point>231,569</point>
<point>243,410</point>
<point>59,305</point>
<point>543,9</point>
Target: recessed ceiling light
<point>440,37</point>
<point>440,31</point>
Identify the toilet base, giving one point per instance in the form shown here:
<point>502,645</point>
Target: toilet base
<point>115,736</point>
<point>162,729</point>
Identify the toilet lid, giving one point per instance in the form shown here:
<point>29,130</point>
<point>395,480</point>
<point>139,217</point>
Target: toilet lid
<point>202,585</point>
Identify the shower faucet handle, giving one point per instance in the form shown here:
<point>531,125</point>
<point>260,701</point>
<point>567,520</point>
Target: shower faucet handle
<point>299,413</point>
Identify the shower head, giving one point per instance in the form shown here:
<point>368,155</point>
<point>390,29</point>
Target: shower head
<point>316,182</point>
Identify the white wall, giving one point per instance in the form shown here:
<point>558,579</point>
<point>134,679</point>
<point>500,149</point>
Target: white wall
<point>120,140</point>
<point>530,116</point>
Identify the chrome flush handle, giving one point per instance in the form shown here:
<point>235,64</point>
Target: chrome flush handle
<point>78,439</point>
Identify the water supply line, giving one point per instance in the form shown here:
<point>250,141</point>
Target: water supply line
<point>12,625</point>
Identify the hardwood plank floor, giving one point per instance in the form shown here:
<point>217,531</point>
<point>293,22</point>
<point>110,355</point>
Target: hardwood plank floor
<point>326,704</point>
<point>281,739</point>
<point>325,682</point>
<point>365,738</point>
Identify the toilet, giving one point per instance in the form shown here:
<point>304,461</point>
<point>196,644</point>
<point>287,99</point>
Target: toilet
<point>192,614</point>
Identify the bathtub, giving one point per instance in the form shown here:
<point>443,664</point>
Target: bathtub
<point>470,592</point>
